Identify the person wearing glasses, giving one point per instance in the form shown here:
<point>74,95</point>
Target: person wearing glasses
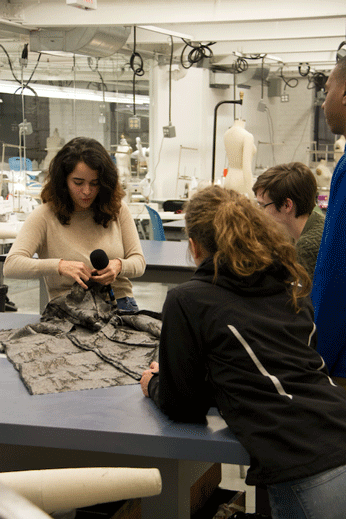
<point>288,193</point>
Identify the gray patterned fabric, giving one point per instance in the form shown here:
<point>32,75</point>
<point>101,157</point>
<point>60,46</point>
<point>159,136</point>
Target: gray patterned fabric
<point>82,342</point>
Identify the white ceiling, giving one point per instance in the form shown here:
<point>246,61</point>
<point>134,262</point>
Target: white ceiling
<point>294,32</point>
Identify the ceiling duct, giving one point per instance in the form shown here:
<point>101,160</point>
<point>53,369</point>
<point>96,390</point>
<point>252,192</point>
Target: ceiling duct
<point>99,42</point>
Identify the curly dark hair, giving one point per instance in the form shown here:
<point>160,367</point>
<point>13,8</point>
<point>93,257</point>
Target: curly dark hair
<point>106,205</point>
<point>237,233</point>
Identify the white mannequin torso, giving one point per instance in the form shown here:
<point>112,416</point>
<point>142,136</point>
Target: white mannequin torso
<point>123,159</point>
<point>240,149</point>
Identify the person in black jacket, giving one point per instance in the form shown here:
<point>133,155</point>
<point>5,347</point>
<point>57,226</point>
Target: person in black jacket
<point>240,335</point>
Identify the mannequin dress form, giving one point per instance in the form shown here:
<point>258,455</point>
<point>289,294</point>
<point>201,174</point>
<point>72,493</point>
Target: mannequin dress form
<point>54,144</point>
<point>240,149</point>
<point>123,158</point>
<point>323,175</point>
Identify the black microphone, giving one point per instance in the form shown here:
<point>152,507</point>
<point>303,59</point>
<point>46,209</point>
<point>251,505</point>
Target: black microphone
<point>99,261</point>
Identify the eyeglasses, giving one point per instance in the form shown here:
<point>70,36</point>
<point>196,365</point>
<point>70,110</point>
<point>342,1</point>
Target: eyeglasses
<point>263,206</point>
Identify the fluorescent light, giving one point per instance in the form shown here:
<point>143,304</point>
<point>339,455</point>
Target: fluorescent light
<point>274,58</point>
<point>56,92</point>
<point>165,31</point>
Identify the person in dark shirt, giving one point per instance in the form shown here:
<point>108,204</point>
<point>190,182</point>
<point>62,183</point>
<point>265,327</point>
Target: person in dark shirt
<point>240,335</point>
<point>329,284</point>
<point>288,193</point>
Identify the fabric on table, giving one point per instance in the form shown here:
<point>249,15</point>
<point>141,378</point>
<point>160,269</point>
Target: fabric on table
<point>82,342</point>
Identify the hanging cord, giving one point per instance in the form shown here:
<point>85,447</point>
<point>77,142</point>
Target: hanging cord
<point>22,86</point>
<point>316,80</point>
<point>304,69</point>
<point>308,112</point>
<point>271,133</point>
<point>292,82</point>
<point>26,85</point>
<point>136,67</point>
<point>262,78</point>
<point>157,163</point>
<point>170,84</point>
<point>240,65</point>
<point>96,69</point>
<point>197,53</point>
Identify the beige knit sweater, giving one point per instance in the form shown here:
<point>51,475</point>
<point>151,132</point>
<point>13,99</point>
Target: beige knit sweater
<point>42,233</point>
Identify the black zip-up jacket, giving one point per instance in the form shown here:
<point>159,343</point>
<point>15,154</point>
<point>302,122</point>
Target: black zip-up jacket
<point>239,342</point>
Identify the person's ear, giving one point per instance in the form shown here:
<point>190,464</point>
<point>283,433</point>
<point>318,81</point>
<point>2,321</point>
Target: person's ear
<point>195,249</point>
<point>288,205</point>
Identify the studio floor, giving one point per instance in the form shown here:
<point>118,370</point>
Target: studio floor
<point>149,296</point>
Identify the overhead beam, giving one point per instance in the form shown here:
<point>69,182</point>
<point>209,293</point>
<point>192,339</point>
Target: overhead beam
<point>51,13</point>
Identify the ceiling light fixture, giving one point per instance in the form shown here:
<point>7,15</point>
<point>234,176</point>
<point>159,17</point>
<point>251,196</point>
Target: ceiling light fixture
<point>166,31</point>
<point>55,92</point>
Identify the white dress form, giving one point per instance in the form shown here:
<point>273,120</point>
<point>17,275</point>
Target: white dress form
<point>323,174</point>
<point>240,149</point>
<point>123,158</point>
<point>54,144</point>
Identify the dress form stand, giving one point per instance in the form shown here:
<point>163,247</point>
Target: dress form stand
<point>54,144</point>
<point>240,150</point>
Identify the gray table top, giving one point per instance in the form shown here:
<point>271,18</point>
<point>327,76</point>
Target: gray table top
<point>176,224</point>
<point>116,420</point>
<point>169,254</point>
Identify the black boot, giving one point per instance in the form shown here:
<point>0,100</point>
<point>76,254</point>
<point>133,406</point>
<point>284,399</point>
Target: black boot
<point>10,306</point>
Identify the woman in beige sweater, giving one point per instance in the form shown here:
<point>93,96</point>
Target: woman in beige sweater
<point>82,211</point>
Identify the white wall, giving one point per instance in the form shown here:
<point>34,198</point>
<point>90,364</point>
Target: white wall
<point>193,105</point>
<point>293,123</point>
<point>282,133</point>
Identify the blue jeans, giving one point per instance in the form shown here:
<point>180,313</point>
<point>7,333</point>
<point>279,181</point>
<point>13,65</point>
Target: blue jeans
<point>322,496</point>
<point>127,304</point>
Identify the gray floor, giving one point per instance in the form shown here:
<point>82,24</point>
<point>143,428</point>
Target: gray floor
<point>149,296</point>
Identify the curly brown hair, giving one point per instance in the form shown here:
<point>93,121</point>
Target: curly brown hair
<point>237,233</point>
<point>106,205</point>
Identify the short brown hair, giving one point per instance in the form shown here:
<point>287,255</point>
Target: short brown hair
<point>295,181</point>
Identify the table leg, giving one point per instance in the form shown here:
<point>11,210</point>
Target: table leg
<point>177,479</point>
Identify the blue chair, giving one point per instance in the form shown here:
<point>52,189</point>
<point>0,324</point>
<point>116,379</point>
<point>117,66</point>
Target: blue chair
<point>156,223</point>
<point>14,163</point>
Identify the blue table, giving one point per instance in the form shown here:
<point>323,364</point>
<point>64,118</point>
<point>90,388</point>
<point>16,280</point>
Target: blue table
<point>167,262</point>
<point>115,426</point>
